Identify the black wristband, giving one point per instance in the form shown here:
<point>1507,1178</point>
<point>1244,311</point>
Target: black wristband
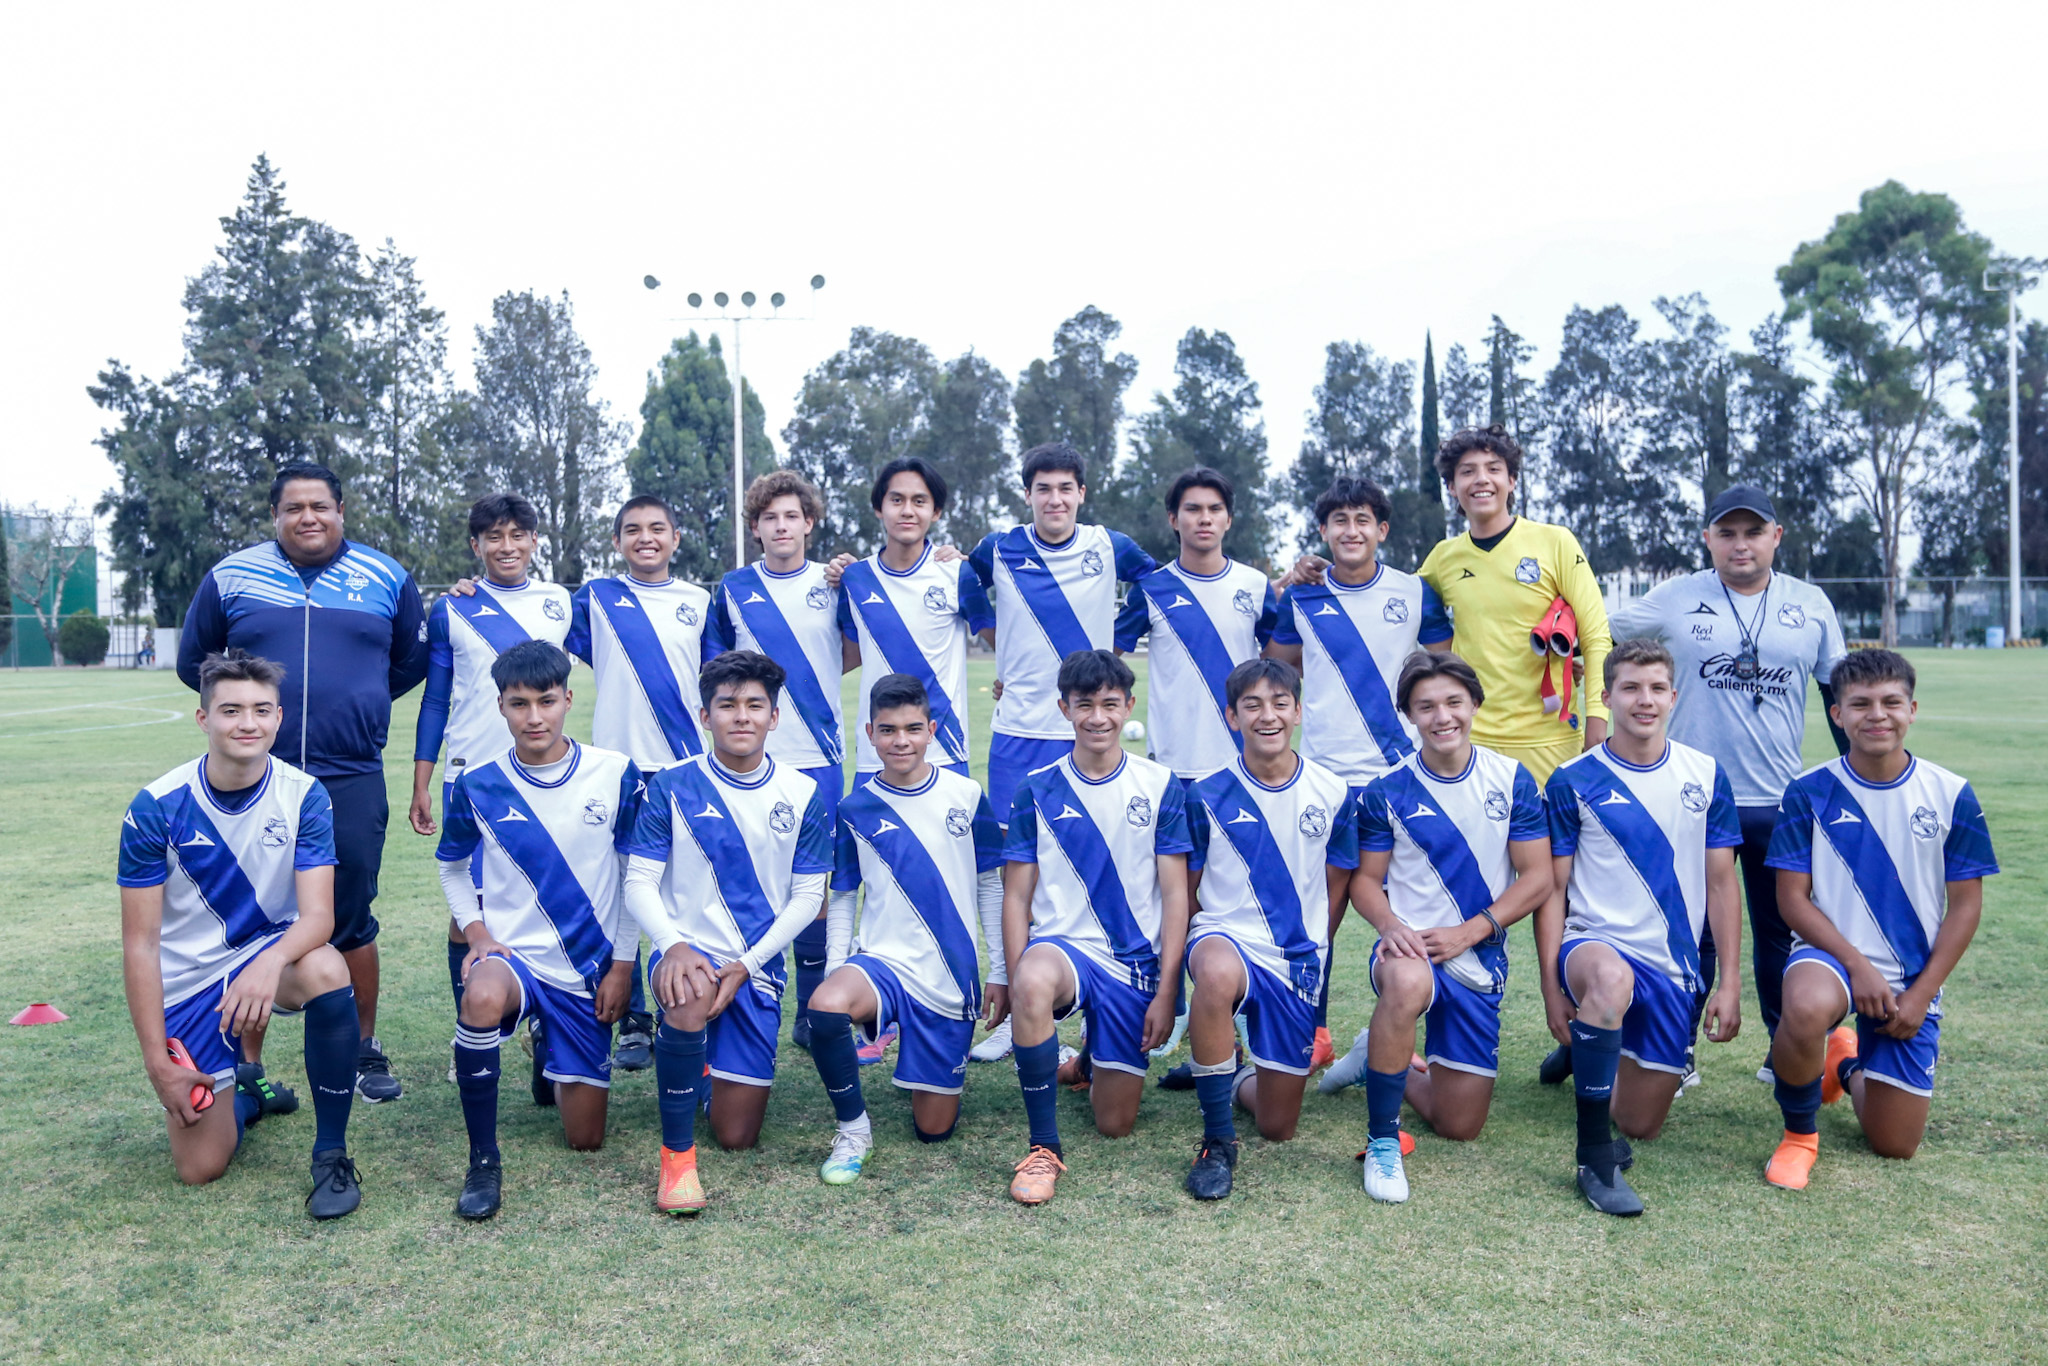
<point>1499,935</point>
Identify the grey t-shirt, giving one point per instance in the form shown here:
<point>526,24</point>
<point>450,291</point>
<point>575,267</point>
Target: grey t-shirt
<point>1797,638</point>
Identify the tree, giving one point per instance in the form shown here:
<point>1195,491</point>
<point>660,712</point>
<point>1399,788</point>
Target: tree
<point>866,405</point>
<point>1426,480</point>
<point>411,495</point>
<point>1686,382</point>
<point>1363,426</point>
<point>6,582</point>
<point>1464,392</point>
<point>967,436</point>
<point>48,545</point>
<point>1780,445</point>
<point>1078,395</point>
<point>1847,564</point>
<point>83,638</point>
<point>1986,429</point>
<point>1891,299</point>
<point>1510,393</point>
<point>685,451</point>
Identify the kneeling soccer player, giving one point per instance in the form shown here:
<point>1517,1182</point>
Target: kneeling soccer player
<point>728,863</point>
<point>1643,835</point>
<point>544,824</point>
<point>924,843</point>
<point>227,900</point>
<point>1094,901</point>
<point>1275,840</point>
<point>1453,848</point>
<point>1881,859</point>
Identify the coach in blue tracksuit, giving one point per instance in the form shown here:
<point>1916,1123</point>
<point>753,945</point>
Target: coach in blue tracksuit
<point>346,623</point>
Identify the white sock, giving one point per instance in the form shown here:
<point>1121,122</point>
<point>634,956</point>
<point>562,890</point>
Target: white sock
<point>859,1128</point>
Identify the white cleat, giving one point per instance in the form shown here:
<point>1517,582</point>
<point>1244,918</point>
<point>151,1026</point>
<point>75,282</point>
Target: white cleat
<point>1180,1029</point>
<point>995,1047</point>
<point>1385,1179</point>
<point>1348,1070</point>
<point>1690,1080</point>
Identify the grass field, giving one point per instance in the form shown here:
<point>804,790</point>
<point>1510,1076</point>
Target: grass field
<point>104,1257</point>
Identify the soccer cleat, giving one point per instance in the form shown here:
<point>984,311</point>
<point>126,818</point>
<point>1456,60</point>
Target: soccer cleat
<point>270,1098</point>
<point>843,1165</point>
<point>1209,1178</point>
<point>679,1191</point>
<point>1348,1070</point>
<point>1767,1074</point>
<point>1602,1183</point>
<point>537,1044</point>
<point>634,1051</point>
<point>1180,1077</point>
<point>1037,1176</point>
<point>1385,1180</point>
<point>995,1047</point>
<point>1688,1081</point>
<point>1180,1029</point>
<point>1791,1167</point>
<point>374,1082</point>
<point>800,1032</point>
<point>451,1064</point>
<point>1324,1052</point>
<point>1074,1073</point>
<point>483,1190</point>
<point>1556,1066</point>
<point>1841,1047</point>
<point>1407,1141</point>
<point>870,1053</point>
<point>336,1188</point>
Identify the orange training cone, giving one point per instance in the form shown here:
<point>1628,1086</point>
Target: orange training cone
<point>40,1013</point>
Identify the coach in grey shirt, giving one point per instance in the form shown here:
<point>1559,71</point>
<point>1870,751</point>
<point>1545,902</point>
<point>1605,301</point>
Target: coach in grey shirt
<point>1746,640</point>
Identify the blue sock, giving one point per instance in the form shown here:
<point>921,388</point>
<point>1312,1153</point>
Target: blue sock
<point>1038,1066</point>
<point>810,961</point>
<point>456,953</point>
<point>832,1050</point>
<point>1383,1092</point>
<point>1847,1068</point>
<point>1801,1105</point>
<point>678,1072</point>
<point>1596,1058</point>
<point>637,1002</point>
<point>476,1077</point>
<point>1214,1090</point>
<point>332,1040</point>
<point>1323,996</point>
<point>941,1137</point>
<point>247,1107</point>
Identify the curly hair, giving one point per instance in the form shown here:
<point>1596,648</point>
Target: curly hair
<point>782,484</point>
<point>1466,440</point>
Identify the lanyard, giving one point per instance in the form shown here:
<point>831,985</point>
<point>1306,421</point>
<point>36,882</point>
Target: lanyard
<point>1747,666</point>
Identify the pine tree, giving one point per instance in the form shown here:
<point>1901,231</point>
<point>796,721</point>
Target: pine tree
<point>1426,481</point>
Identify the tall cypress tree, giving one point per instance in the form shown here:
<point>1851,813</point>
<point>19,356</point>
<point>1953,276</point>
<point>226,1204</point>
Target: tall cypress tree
<point>1426,481</point>
<point>6,592</point>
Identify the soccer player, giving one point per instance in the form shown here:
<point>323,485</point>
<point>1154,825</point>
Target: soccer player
<point>1275,839</point>
<point>1881,860</point>
<point>1094,913</point>
<point>542,826</point>
<point>227,901</point>
<point>727,863</point>
<point>1453,848</point>
<point>923,843</point>
<point>1642,837</point>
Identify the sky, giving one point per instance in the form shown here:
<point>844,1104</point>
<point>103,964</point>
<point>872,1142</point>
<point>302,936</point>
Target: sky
<point>971,175</point>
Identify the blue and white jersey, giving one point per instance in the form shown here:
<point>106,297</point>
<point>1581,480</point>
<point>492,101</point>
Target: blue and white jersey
<point>733,846</point>
<point>1638,841</point>
<point>1354,639</point>
<point>920,854</point>
<point>790,618</point>
<point>1449,840</point>
<point>646,643</point>
<point>1263,853</point>
<point>550,840</point>
<point>465,636</point>
<point>1202,626</point>
<point>1097,842</point>
<point>915,622</point>
<point>228,876</point>
<point>1882,855</point>
<point>1050,601</point>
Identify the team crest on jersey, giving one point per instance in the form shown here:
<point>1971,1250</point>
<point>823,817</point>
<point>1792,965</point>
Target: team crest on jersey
<point>1693,796</point>
<point>552,610</point>
<point>1496,805</point>
<point>782,819</point>
<point>275,833</point>
<point>1395,610</point>
<point>958,822</point>
<point>1528,571</point>
<point>1926,825</point>
<point>1315,822</point>
<point>1091,563</point>
<point>1792,615</point>
<point>686,614</point>
<point>935,601</point>
<point>357,580</point>
<point>1139,812</point>
<point>819,597</point>
<point>595,812</point>
<point>1242,601</point>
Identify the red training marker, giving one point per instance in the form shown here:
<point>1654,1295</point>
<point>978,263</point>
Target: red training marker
<point>40,1013</point>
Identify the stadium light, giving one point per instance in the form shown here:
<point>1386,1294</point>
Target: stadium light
<point>739,463</point>
<point>2011,279</point>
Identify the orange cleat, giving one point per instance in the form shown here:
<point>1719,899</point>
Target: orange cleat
<point>1407,1147</point>
<point>1037,1176</point>
<point>1792,1165</point>
<point>1841,1044</point>
<point>679,1191</point>
<point>1324,1052</point>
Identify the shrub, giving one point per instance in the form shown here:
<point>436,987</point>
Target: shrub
<point>83,638</point>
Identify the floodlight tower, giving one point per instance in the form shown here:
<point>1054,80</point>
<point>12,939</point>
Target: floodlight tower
<point>2011,279</point>
<point>722,302</point>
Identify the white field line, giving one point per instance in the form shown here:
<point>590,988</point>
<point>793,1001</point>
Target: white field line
<point>160,716</point>
<point>87,706</point>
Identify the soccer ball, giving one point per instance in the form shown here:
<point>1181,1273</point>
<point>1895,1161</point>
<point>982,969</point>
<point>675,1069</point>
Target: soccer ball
<point>1134,730</point>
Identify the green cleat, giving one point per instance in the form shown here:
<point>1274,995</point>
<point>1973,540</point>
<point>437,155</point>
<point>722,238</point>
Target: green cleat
<point>849,1154</point>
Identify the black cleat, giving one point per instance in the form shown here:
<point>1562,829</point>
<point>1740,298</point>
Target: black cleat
<point>336,1189</point>
<point>270,1098</point>
<point>1602,1183</point>
<point>543,1089</point>
<point>374,1082</point>
<point>1556,1066</point>
<point>800,1032</point>
<point>1624,1156</point>
<point>1180,1078</point>
<point>482,1190</point>
<point>1209,1178</point>
<point>634,1051</point>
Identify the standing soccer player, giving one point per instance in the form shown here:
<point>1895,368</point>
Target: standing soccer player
<point>728,861</point>
<point>227,901</point>
<point>1275,839</point>
<point>1094,913</point>
<point>1881,860</point>
<point>923,843</point>
<point>1642,835</point>
<point>542,827</point>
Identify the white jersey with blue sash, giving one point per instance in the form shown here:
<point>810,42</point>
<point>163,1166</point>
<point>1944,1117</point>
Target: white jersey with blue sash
<point>790,618</point>
<point>915,622</point>
<point>1638,840</point>
<point>1202,626</point>
<point>465,636</point>
<point>920,855</point>
<point>1449,843</point>
<point>646,643</point>
<point>1881,855</point>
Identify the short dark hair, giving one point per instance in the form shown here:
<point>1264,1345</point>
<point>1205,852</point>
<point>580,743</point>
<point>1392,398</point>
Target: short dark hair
<point>536,664</point>
<point>934,482</point>
<point>303,469</point>
<point>495,508</point>
<point>1087,672</point>
<point>1643,651</point>
<point>898,690</point>
<point>238,666</point>
<point>1349,492</point>
<point>1252,672</point>
<point>1201,477</point>
<point>1873,666</point>
<point>643,500</point>
<point>1424,665</point>
<point>782,484</point>
<point>1052,457</point>
<point>735,667</point>
<point>1468,439</point>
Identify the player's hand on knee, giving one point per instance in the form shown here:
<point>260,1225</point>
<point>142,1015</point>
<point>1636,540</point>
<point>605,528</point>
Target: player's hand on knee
<point>681,977</point>
<point>1398,941</point>
<point>173,1085</point>
<point>1871,993</point>
<point>995,1005</point>
<point>727,985</point>
<point>246,1003</point>
<point>480,949</point>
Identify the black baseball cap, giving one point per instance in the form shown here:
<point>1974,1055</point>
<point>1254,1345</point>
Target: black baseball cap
<point>1741,498</point>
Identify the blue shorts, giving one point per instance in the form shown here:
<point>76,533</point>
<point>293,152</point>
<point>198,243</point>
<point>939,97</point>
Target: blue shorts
<point>1463,1025</point>
<point>1279,1023</point>
<point>1013,757</point>
<point>579,1049</point>
<point>195,1022</point>
<point>931,1049</point>
<point>1657,1030</point>
<point>1113,1005</point>
<point>740,1044</point>
<point>831,781</point>
<point>1905,1063</point>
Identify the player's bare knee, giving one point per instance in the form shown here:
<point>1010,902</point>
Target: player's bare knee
<point>1277,1128</point>
<point>485,1003</point>
<point>201,1169</point>
<point>736,1135</point>
<point>1459,1128</point>
<point>1639,1127</point>
<point>1898,1147</point>
<point>693,1015</point>
<point>322,970</point>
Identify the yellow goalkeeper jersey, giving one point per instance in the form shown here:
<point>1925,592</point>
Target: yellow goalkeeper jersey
<point>1496,597</point>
